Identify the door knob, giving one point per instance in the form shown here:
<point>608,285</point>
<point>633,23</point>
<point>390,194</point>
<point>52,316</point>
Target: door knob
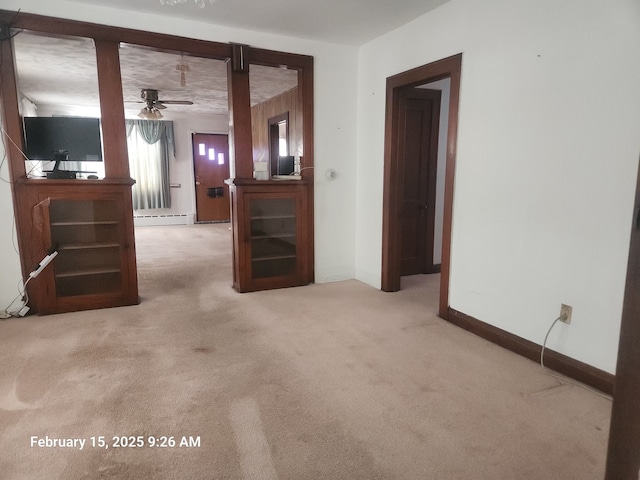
<point>197,183</point>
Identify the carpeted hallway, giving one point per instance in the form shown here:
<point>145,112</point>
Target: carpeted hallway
<point>331,381</point>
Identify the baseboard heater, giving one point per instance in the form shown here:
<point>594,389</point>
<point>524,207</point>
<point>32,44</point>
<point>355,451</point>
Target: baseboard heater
<point>167,219</point>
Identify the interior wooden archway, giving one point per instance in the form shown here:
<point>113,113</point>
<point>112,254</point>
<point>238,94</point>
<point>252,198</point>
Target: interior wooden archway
<point>33,243</point>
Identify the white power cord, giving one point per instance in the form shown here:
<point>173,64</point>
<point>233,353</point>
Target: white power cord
<point>22,310</point>
<point>7,312</point>
<point>562,379</point>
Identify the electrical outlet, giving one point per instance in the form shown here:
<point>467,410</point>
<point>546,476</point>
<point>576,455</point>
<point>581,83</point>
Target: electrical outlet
<point>565,313</point>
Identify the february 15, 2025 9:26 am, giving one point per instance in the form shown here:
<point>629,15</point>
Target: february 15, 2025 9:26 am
<point>117,441</point>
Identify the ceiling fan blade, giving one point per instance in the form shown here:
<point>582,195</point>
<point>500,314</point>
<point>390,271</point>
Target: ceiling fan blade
<point>176,102</point>
<point>159,105</point>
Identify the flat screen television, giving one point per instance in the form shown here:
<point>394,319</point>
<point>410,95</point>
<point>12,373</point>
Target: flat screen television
<point>285,165</point>
<point>61,139</point>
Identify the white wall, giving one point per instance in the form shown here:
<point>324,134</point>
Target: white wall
<point>335,114</point>
<point>546,164</point>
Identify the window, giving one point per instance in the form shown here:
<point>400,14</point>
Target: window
<point>150,145</point>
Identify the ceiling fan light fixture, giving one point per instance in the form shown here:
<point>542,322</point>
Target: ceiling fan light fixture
<point>154,104</point>
<point>150,113</point>
<point>199,3</point>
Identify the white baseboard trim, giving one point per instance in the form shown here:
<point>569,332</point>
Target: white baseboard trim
<point>369,278</point>
<point>334,277</point>
<point>163,219</point>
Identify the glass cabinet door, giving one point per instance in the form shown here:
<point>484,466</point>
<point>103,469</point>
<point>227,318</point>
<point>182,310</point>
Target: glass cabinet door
<point>273,231</point>
<point>87,237</point>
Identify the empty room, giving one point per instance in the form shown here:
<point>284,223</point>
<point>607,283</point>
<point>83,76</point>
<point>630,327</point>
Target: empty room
<point>320,240</point>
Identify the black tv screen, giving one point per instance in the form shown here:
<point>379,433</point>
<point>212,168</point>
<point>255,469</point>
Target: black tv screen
<point>47,136</point>
<point>285,165</point>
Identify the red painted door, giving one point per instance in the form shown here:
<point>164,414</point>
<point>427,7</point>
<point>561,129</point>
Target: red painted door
<point>211,167</point>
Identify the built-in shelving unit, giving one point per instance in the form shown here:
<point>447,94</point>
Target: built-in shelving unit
<point>86,234</point>
<point>85,223</point>
<point>272,216</point>
<point>96,264</point>
<point>272,233</point>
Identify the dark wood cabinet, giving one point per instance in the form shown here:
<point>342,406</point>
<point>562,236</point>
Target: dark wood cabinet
<point>272,235</point>
<point>88,224</point>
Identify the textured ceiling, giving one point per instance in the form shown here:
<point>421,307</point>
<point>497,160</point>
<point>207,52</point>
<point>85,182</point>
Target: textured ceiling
<point>62,72</point>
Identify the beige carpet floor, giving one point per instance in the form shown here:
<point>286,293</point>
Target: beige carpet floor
<point>331,381</point>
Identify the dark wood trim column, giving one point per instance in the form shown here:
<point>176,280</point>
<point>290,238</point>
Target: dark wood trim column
<point>454,65</point>
<point>116,161</point>
<point>623,457</point>
<point>240,136</point>
<point>10,113</point>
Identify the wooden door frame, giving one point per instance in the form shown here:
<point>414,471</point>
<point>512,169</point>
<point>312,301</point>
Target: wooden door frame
<point>623,455</point>
<point>449,67</point>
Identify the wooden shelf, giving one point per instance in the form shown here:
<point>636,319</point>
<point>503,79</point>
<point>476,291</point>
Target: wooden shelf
<point>85,272</point>
<point>271,217</point>
<point>73,224</point>
<point>274,257</point>
<point>86,246</point>
<point>273,235</point>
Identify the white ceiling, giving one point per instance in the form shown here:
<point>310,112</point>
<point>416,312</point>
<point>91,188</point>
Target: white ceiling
<point>352,22</point>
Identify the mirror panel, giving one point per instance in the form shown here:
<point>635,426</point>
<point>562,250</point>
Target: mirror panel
<point>276,119</point>
<point>57,79</point>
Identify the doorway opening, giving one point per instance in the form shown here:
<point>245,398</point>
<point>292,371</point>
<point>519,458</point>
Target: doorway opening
<point>399,174</point>
<point>419,122</point>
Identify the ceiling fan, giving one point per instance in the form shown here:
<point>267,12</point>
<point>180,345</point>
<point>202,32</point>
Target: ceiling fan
<point>154,104</point>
